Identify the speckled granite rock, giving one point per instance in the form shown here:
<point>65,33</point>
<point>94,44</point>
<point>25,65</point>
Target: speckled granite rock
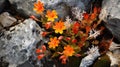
<point>18,43</point>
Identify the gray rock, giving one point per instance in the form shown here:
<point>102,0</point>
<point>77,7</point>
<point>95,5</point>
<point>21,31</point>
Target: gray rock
<point>110,13</point>
<point>114,26</point>
<point>19,42</point>
<point>2,5</point>
<point>6,20</point>
<point>110,9</point>
<point>115,58</point>
<point>26,64</point>
<point>93,54</point>
<point>25,7</point>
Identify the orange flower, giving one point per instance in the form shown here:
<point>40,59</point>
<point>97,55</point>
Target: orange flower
<point>59,27</point>
<point>95,10</point>
<point>63,58</point>
<point>40,56</point>
<point>60,37</point>
<point>75,27</point>
<point>34,18</point>
<point>68,38</point>
<point>77,55</point>
<point>93,16</point>
<point>74,41</point>
<point>68,51</point>
<point>48,25</point>
<point>38,51</point>
<point>44,34</point>
<point>86,16</point>
<point>88,28</point>
<point>51,15</point>
<point>38,7</point>
<point>43,48</point>
<point>53,42</point>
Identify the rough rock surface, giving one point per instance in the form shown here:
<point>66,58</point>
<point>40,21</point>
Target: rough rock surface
<point>93,53</point>
<point>18,43</point>
<point>6,20</point>
<point>110,13</point>
<point>111,9</point>
<point>114,26</point>
<point>25,7</point>
<point>26,64</point>
<point>2,5</point>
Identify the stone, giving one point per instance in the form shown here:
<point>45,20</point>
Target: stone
<point>26,64</point>
<point>114,55</point>
<point>88,60</point>
<point>110,13</point>
<point>113,25</point>
<point>110,9</point>
<point>112,19</point>
<point>19,42</point>
<point>6,20</point>
<point>25,7</point>
<point>2,5</point>
<point>115,58</point>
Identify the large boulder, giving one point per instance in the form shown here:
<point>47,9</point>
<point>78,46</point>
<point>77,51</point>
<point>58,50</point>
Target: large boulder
<point>19,42</point>
<point>25,7</point>
<point>110,9</point>
<point>110,13</point>
<point>114,26</point>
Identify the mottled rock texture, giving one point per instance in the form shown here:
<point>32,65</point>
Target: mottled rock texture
<point>111,9</point>
<point>25,7</point>
<point>18,43</point>
<point>114,26</point>
<point>110,13</point>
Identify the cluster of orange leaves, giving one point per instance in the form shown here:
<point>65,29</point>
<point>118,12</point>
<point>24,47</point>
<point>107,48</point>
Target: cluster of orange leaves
<point>59,28</point>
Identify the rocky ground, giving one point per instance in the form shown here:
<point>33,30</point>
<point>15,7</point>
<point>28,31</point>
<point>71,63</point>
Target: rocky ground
<point>19,35</point>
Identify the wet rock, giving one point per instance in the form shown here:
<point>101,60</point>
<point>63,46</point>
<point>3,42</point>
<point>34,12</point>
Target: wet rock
<point>2,5</point>
<point>18,43</point>
<point>6,20</point>
<point>25,7</point>
<point>110,9</point>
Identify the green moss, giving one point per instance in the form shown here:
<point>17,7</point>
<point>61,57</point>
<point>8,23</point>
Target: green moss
<point>74,62</point>
<point>104,61</point>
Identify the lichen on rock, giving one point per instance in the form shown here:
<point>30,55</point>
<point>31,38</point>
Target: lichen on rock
<point>18,43</point>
